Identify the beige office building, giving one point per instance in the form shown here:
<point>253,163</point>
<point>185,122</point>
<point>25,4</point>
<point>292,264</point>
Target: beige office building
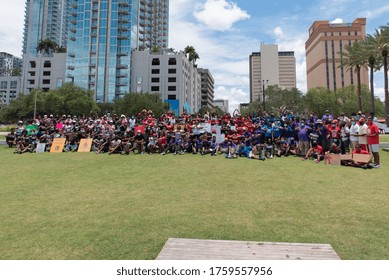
<point>324,62</point>
<point>271,67</point>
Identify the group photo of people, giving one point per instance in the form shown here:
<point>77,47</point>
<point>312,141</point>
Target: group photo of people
<point>260,137</point>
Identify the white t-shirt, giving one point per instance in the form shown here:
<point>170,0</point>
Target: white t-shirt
<point>362,130</point>
<point>354,129</point>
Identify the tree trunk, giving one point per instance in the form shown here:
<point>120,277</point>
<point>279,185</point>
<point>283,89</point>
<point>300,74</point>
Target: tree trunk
<point>359,88</point>
<point>372,88</point>
<point>386,89</point>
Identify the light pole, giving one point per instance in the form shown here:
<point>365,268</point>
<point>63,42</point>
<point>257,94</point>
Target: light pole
<point>36,95</point>
<point>263,94</point>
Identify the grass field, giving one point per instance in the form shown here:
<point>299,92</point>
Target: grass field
<point>88,206</point>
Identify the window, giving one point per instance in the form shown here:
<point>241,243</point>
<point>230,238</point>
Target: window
<point>46,73</point>
<point>3,85</point>
<point>47,64</point>
<point>172,71</point>
<point>154,71</point>
<point>32,64</point>
<point>171,97</point>
<point>171,88</point>
<point>31,73</point>
<point>46,82</point>
<point>172,79</point>
<point>154,88</point>
<point>172,61</point>
<point>155,80</point>
<point>155,61</point>
<point>13,84</point>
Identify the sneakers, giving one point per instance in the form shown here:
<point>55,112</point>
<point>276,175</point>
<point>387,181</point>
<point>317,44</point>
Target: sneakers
<point>376,165</point>
<point>304,158</point>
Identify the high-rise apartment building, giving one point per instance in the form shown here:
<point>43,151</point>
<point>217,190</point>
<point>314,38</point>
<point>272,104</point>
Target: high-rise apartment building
<point>102,34</point>
<point>207,87</point>
<point>171,75</point>
<point>153,24</point>
<point>271,67</point>
<point>44,19</point>
<point>9,63</point>
<point>323,48</point>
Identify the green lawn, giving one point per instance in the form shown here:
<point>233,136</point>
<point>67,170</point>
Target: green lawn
<point>88,206</point>
<point>384,138</point>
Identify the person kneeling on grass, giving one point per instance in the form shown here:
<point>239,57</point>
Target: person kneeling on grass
<point>316,152</point>
<point>115,146</point>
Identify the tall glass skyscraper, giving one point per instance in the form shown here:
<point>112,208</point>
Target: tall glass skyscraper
<point>102,34</point>
<point>44,19</point>
<point>153,24</point>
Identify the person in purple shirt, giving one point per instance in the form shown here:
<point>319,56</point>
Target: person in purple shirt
<point>303,137</point>
<point>327,116</point>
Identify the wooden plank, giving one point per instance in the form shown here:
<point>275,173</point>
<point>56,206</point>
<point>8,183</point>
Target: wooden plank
<point>195,249</point>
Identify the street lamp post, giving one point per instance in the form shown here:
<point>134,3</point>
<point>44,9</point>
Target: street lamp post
<point>36,95</point>
<point>263,94</point>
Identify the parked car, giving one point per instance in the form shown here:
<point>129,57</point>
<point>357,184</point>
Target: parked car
<point>384,129</point>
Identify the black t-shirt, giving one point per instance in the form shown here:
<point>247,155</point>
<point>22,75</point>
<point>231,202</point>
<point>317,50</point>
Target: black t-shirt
<point>139,137</point>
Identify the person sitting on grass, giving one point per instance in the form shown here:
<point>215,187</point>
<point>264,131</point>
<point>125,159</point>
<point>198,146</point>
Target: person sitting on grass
<point>11,138</point>
<point>23,146</point>
<point>115,146</point>
<point>316,152</point>
<point>139,142</point>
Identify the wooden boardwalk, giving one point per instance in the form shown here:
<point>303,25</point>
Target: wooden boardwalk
<point>196,249</point>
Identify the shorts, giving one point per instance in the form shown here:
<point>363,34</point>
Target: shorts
<point>374,148</point>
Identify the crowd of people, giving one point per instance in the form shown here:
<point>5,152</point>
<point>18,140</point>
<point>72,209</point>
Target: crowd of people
<point>257,137</point>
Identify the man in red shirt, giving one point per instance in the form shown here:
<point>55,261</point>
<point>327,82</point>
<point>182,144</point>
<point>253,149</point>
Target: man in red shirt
<point>316,152</point>
<point>373,140</point>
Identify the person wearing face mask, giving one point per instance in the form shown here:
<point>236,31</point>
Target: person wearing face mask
<point>362,132</point>
<point>303,137</point>
<point>139,141</point>
<point>373,140</point>
<point>354,128</point>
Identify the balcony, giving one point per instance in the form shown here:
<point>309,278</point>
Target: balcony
<point>70,67</point>
<point>122,66</point>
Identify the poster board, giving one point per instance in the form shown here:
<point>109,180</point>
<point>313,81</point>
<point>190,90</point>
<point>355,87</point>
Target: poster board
<point>57,146</point>
<point>362,158</point>
<point>333,159</point>
<point>40,148</point>
<point>85,146</point>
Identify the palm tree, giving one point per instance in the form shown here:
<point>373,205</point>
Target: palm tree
<point>353,58</point>
<point>193,55</point>
<point>384,48</point>
<point>380,40</point>
<point>47,46</point>
<point>374,61</point>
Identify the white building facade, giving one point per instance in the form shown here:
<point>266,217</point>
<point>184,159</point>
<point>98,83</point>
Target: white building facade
<point>9,89</point>
<point>169,74</point>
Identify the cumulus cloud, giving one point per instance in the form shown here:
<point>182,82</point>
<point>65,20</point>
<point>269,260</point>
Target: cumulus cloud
<point>278,31</point>
<point>337,20</point>
<point>11,27</point>
<point>220,15</point>
<point>233,95</point>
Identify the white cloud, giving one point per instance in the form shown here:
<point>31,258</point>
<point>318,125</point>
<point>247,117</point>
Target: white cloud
<point>233,95</point>
<point>278,31</point>
<point>220,15</point>
<point>11,27</point>
<point>337,20</point>
<point>377,12</point>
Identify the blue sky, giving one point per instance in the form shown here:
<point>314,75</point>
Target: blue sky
<point>225,33</point>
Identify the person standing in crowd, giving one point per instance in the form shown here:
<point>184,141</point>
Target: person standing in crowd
<point>362,132</point>
<point>303,137</point>
<point>345,138</point>
<point>354,129</point>
<point>373,139</point>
